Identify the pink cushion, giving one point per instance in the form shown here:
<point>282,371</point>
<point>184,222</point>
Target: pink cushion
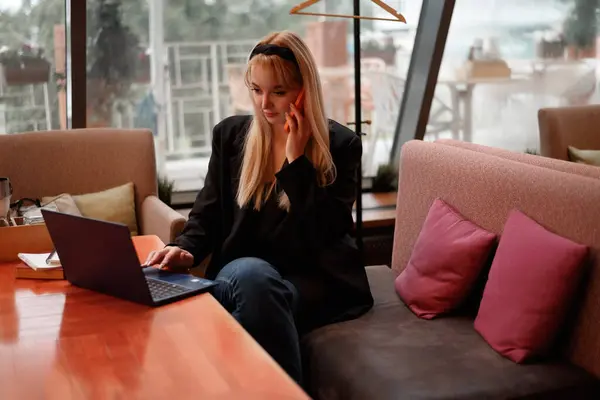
<point>448,255</point>
<point>531,282</point>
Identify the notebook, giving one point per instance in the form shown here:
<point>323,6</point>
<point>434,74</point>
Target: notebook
<point>34,266</point>
<point>24,271</point>
<point>37,261</point>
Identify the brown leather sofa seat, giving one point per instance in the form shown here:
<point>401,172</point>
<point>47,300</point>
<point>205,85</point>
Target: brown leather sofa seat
<point>393,354</point>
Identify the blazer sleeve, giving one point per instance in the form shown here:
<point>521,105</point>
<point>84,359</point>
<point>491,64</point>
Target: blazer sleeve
<point>322,215</point>
<point>200,232</point>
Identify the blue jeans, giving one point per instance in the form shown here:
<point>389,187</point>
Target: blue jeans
<point>264,303</point>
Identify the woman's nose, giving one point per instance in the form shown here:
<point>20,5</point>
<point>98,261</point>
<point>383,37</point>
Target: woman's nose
<point>265,102</point>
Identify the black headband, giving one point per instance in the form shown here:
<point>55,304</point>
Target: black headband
<point>274,50</point>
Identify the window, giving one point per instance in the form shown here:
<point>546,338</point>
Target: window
<point>33,61</point>
<point>175,67</point>
<point>528,54</point>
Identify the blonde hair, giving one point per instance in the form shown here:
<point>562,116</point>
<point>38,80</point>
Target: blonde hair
<point>254,185</point>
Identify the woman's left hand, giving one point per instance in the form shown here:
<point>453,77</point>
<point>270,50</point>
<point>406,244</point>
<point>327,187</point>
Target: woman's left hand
<point>298,135</point>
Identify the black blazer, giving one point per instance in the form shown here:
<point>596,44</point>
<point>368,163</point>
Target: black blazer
<point>311,244</point>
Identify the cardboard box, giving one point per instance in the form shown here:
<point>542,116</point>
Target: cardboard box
<point>24,239</point>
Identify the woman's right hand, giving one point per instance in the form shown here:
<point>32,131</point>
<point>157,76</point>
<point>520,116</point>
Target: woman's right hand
<point>171,257</point>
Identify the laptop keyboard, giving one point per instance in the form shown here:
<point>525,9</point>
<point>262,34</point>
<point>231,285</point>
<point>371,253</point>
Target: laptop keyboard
<point>161,289</point>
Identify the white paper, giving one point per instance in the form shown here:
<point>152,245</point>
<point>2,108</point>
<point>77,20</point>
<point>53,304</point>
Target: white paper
<point>37,260</point>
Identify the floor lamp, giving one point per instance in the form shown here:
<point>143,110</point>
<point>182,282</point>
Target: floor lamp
<point>358,126</point>
<point>299,9</point>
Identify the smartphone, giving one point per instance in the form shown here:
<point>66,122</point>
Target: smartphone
<point>299,105</point>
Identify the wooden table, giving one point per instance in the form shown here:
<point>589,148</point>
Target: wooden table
<point>58,341</point>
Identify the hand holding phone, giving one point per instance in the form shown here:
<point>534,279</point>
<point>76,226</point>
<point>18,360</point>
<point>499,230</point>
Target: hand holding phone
<point>299,105</point>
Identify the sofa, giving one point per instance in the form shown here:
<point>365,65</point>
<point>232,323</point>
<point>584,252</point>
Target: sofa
<point>561,127</point>
<point>83,161</point>
<point>390,353</point>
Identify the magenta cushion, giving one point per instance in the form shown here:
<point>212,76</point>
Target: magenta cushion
<point>530,287</point>
<point>445,262</point>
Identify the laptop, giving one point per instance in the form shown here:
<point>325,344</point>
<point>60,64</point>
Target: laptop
<point>100,256</point>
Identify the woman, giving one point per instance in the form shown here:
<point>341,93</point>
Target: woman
<point>275,212</point>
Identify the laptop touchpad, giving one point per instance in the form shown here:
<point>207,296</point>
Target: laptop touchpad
<point>187,280</point>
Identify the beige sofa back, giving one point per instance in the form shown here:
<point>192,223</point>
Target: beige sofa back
<point>79,161</point>
<point>485,188</point>
<point>568,126</point>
